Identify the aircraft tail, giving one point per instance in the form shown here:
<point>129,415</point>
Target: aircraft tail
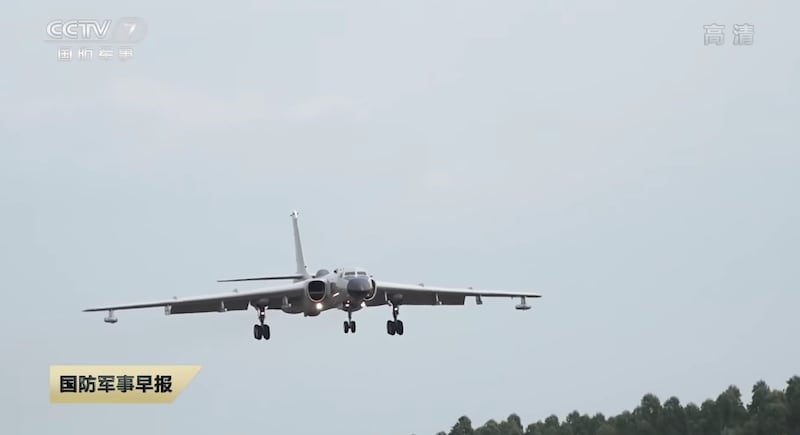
<point>301,273</point>
<point>298,248</point>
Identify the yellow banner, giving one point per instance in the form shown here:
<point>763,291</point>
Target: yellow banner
<point>119,384</point>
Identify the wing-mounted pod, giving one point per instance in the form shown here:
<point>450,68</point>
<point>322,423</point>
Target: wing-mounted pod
<point>111,318</point>
<point>289,307</point>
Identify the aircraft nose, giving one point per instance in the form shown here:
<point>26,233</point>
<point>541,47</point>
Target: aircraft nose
<point>358,286</point>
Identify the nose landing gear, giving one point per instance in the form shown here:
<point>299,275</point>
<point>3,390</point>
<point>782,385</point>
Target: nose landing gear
<point>349,324</point>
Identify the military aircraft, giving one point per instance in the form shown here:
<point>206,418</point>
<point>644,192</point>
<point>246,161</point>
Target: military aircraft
<point>348,289</point>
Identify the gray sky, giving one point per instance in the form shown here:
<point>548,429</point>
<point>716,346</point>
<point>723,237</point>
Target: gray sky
<point>596,151</point>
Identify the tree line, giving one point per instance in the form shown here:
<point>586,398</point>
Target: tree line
<point>770,412</point>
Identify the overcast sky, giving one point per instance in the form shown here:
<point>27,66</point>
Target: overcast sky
<point>596,151</point>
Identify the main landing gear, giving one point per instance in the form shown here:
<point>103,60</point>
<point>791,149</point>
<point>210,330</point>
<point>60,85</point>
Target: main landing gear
<point>261,330</point>
<point>394,326</point>
<point>349,324</point>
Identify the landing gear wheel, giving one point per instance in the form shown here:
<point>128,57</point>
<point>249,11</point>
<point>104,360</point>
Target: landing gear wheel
<point>260,330</point>
<point>390,327</point>
<point>349,324</point>
<point>394,326</point>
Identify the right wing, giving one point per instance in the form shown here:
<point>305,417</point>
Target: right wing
<point>271,298</point>
<point>419,294</point>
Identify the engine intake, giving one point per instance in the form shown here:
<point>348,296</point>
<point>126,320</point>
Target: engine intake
<point>316,290</point>
<point>372,291</point>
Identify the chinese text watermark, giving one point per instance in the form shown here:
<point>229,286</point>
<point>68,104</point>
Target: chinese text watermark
<point>89,39</point>
<point>743,34</point>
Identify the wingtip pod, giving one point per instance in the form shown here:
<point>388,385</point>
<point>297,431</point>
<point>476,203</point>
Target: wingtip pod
<point>111,318</point>
<point>523,304</point>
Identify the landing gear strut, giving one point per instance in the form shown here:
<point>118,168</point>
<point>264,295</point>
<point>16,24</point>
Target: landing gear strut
<point>349,324</point>
<point>394,326</point>
<point>261,330</point>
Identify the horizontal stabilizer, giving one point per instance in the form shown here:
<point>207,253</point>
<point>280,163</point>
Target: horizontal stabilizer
<point>264,278</point>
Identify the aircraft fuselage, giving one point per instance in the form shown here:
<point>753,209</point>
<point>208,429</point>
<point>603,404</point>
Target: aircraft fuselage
<point>345,289</point>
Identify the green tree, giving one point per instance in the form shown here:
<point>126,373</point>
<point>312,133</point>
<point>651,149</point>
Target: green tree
<point>770,412</point>
<point>551,425</point>
<point>489,428</point>
<point>730,409</point>
<point>606,429</point>
<point>759,400</point>
<point>551,422</point>
<point>462,427</point>
<point>709,417</point>
<point>579,424</point>
<point>643,427</point>
<point>512,425</point>
<point>694,421</point>
<point>625,423</point>
<point>793,404</point>
<point>775,416</point>
<point>535,429</point>
<point>648,415</point>
<point>673,418</point>
<point>597,421</point>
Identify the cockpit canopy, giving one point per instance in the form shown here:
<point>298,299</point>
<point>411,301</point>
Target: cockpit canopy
<point>351,273</point>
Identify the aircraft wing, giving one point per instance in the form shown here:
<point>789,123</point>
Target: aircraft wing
<point>231,301</point>
<point>420,294</point>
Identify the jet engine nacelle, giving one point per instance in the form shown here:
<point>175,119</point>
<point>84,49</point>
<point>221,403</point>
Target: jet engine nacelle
<point>316,294</point>
<point>316,290</point>
<point>372,292</point>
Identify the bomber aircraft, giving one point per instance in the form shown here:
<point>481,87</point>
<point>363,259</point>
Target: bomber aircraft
<point>348,289</point>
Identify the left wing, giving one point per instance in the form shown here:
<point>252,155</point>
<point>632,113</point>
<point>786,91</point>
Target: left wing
<point>420,294</point>
<point>233,301</point>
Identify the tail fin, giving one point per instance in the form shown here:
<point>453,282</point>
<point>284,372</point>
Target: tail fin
<point>298,248</point>
<point>301,273</point>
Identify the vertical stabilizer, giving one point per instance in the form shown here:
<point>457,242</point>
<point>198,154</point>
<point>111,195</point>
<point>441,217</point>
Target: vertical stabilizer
<point>298,248</point>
